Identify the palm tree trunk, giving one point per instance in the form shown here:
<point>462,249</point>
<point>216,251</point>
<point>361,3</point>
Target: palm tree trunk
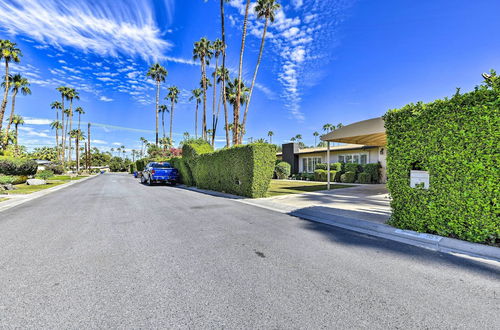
<point>5,93</point>
<point>88,146</point>
<point>63,138</point>
<point>79,118</point>
<point>70,128</point>
<point>6,140</point>
<point>17,134</point>
<point>77,154</point>
<point>204,84</point>
<point>163,123</point>
<point>271,139</point>
<point>196,121</point>
<point>157,104</point>
<point>254,76</point>
<point>223,32</point>
<point>214,123</point>
<point>240,69</point>
<point>171,121</point>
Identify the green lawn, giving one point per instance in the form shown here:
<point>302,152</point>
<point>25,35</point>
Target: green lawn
<point>65,178</point>
<point>23,189</point>
<point>284,187</point>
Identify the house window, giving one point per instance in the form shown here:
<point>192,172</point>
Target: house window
<point>341,159</point>
<point>309,164</point>
<point>354,158</point>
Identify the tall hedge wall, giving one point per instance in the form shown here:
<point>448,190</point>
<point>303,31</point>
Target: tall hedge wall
<point>458,141</point>
<point>242,170</point>
<point>17,166</point>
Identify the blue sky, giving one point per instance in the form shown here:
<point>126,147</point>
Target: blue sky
<point>325,60</point>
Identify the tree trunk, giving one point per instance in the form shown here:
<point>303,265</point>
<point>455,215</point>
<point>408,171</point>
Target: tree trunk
<point>63,138</point>
<point>163,123</point>
<point>196,120</point>
<point>204,85</point>
<point>5,93</point>
<point>240,69</point>
<point>70,129</point>
<point>254,77</point>
<point>157,103</point>
<point>223,31</point>
<point>214,122</point>
<point>88,148</point>
<point>17,134</point>
<point>77,144</point>
<point>6,140</point>
<point>171,121</point>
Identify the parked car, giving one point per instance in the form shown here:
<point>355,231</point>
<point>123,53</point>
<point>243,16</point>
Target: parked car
<point>156,172</point>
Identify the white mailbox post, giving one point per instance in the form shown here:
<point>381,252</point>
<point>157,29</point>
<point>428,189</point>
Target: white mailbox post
<point>417,178</point>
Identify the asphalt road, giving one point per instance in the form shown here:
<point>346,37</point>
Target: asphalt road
<point>112,253</point>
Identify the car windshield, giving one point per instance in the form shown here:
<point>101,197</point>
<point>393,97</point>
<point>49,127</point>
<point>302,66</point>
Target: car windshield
<point>161,165</point>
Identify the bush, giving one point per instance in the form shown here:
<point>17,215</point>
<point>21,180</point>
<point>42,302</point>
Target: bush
<point>44,175</point>
<point>140,164</point>
<point>374,171</point>
<point>456,141</point>
<point>185,174</point>
<point>6,179</point>
<point>195,147</point>
<point>283,170</point>
<point>16,166</point>
<point>242,170</point>
<point>353,167</point>
<point>348,177</point>
<point>339,167</point>
<point>55,168</point>
<point>132,168</point>
<point>364,178</point>
<point>321,175</point>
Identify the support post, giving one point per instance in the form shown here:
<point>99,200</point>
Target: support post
<point>328,164</point>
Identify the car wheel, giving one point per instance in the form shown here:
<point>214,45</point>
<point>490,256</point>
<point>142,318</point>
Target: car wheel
<point>142,179</point>
<point>149,181</point>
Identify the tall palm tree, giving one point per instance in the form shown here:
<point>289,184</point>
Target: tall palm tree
<point>80,112</point>
<point>158,74</point>
<point>223,77</point>
<point>17,120</point>
<point>328,127</point>
<point>236,111</point>
<point>124,151</point>
<point>173,96</point>
<point>186,135</point>
<point>64,92</point>
<point>270,134</point>
<point>78,136</point>
<point>315,134</point>
<point>56,124</point>
<point>18,84</point>
<point>339,125</point>
<point>72,94</point>
<point>57,106</point>
<point>232,89</point>
<point>265,9</point>
<point>217,47</point>
<point>143,143</point>
<point>293,139</point>
<point>203,51</point>
<point>298,137</point>
<point>162,109</point>
<point>9,53</point>
<point>196,95</point>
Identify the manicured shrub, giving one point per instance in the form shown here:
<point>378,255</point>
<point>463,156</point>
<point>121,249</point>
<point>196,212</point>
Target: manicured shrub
<point>348,177</point>
<point>457,141</point>
<point>321,175</point>
<point>283,170</point>
<point>241,170</point>
<point>6,179</point>
<point>333,166</point>
<point>44,175</point>
<point>353,167</point>
<point>196,147</point>
<point>55,167</point>
<point>16,166</point>
<point>374,171</point>
<point>140,164</point>
<point>185,174</point>
<point>132,168</point>
<point>364,177</point>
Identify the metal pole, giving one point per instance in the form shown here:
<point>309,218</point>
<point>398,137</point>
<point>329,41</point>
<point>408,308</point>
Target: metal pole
<point>328,165</point>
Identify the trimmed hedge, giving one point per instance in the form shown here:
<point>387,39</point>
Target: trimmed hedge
<point>364,177</point>
<point>353,167</point>
<point>283,170</point>
<point>348,177</point>
<point>374,171</point>
<point>339,167</point>
<point>241,170</point>
<point>13,179</point>
<point>457,141</point>
<point>194,148</point>
<point>140,164</point>
<point>132,168</point>
<point>16,166</point>
<point>56,168</point>
<point>321,175</point>
<point>185,174</point>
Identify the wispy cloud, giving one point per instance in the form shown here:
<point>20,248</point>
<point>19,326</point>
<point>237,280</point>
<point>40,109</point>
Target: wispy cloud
<point>102,27</point>
<point>105,99</point>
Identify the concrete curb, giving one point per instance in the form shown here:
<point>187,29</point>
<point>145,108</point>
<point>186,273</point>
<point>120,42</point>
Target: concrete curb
<point>14,201</point>
<point>427,241</point>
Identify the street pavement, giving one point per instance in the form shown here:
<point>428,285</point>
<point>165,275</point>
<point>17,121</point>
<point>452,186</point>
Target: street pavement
<point>112,253</point>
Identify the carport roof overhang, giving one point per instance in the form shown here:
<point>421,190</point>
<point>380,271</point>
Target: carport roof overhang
<point>369,132</point>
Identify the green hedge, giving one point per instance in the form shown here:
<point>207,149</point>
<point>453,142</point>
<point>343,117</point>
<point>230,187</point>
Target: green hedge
<point>13,179</point>
<point>283,170</point>
<point>348,177</point>
<point>339,167</point>
<point>185,174</point>
<point>321,175</point>
<point>55,167</point>
<point>374,171</point>
<point>195,147</point>
<point>140,164</point>
<point>457,141</point>
<point>242,170</point>
<point>16,166</point>
<point>353,167</point>
<point>364,177</point>
<point>132,168</point>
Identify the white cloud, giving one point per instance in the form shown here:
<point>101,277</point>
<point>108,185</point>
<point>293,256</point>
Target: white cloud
<point>117,144</point>
<point>37,121</point>
<point>62,61</point>
<point>105,99</point>
<point>95,26</point>
<point>98,142</point>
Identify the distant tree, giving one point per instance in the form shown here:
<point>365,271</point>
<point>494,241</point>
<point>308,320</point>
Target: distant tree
<point>17,120</point>
<point>315,134</point>
<point>9,53</point>
<point>18,84</point>
<point>157,73</point>
<point>173,96</point>
<point>203,51</point>
<point>56,124</point>
<point>196,95</point>
<point>270,134</point>
<point>162,109</point>
<point>80,112</point>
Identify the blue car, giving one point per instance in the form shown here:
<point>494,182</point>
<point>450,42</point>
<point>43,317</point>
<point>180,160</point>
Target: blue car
<point>159,172</point>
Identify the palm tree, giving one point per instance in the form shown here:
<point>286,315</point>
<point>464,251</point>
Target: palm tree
<point>80,112</point>
<point>173,96</point>
<point>56,124</point>
<point>18,83</point>
<point>232,93</point>
<point>67,113</point>
<point>143,143</point>
<point>72,94</point>
<point>328,127</point>
<point>293,139</point>
<point>64,91</point>
<point>315,134</point>
<point>186,135</point>
<point>298,137</point>
<point>57,106</point>
<point>265,9</point>
<point>162,109</point>
<point>203,51</point>
<point>17,120</point>
<point>217,47</point>
<point>78,136</point>
<point>196,95</point>
<point>224,78</point>
<point>124,151</point>
<point>9,52</point>
<point>340,125</point>
<point>112,150</point>
<point>236,111</point>
<point>158,74</point>
<point>270,134</point>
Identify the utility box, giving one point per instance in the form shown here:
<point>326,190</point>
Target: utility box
<point>419,179</point>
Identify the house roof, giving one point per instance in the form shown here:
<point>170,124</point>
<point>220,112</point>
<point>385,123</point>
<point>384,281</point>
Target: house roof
<point>369,132</point>
<point>335,148</point>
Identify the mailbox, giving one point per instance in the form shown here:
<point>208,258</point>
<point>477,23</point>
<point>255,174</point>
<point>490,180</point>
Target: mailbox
<point>419,179</point>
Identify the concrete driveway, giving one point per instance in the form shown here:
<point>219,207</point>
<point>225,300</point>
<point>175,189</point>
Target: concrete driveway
<point>362,202</point>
